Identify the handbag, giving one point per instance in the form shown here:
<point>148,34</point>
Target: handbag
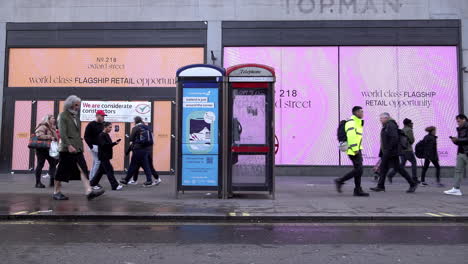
<point>54,150</point>
<point>37,143</point>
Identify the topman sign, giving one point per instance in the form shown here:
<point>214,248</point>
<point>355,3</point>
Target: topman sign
<point>344,6</point>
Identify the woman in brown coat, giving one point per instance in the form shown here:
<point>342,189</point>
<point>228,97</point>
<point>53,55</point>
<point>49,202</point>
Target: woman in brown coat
<point>46,130</point>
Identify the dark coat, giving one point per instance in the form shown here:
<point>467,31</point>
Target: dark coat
<point>430,147</point>
<point>92,132</point>
<point>105,147</point>
<point>462,138</point>
<point>389,140</point>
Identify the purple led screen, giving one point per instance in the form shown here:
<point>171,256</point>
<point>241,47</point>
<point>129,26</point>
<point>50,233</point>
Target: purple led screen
<point>316,88</point>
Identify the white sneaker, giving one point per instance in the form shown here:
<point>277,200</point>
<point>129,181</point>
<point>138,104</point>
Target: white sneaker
<point>454,191</point>
<point>97,187</point>
<point>120,187</point>
<point>46,176</point>
<point>157,181</point>
<point>132,182</point>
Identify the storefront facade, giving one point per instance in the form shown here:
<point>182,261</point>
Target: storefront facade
<point>401,57</point>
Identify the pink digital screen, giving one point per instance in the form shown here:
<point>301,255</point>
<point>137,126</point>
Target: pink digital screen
<point>318,86</point>
<point>306,99</point>
<point>419,83</point>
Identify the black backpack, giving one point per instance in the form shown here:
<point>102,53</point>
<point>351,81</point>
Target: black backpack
<point>145,136</point>
<point>419,149</point>
<point>341,132</point>
<point>404,140</point>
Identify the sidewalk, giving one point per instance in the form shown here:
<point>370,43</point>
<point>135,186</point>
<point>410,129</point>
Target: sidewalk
<point>297,199</point>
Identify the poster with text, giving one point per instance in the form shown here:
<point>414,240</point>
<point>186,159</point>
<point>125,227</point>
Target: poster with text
<point>116,111</point>
<point>200,121</point>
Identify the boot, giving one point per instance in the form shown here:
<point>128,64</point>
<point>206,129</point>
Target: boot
<point>412,188</point>
<point>338,185</point>
<point>360,192</point>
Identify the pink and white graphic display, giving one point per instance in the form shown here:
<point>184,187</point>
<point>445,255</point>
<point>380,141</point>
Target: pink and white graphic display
<point>317,86</point>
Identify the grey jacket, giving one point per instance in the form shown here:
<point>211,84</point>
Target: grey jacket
<point>69,132</point>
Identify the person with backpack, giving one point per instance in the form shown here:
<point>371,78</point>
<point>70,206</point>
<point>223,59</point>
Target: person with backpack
<point>105,154</point>
<point>430,155</point>
<point>390,150</point>
<point>141,138</point>
<point>353,129</point>
<point>407,154</point>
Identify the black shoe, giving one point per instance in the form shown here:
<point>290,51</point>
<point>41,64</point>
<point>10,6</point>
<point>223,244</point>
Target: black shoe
<point>424,184</point>
<point>123,181</point>
<point>95,193</point>
<point>40,185</point>
<point>338,185</point>
<point>149,184</point>
<point>377,189</point>
<point>360,192</point>
<point>412,188</point>
<point>59,197</point>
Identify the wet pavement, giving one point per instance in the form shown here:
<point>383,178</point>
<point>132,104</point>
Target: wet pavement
<point>296,198</point>
<point>136,242</point>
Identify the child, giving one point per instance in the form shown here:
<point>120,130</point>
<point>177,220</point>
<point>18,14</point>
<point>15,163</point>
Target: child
<point>105,155</point>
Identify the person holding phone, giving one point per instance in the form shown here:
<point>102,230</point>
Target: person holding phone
<point>105,154</point>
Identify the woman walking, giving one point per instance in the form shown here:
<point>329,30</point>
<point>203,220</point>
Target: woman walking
<point>431,155</point>
<point>46,130</point>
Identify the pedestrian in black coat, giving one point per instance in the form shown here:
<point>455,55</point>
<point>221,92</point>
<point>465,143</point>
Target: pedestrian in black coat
<point>431,155</point>
<point>105,154</point>
<point>390,150</point>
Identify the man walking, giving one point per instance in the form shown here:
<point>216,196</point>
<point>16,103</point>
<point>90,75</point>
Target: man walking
<point>72,165</point>
<point>408,153</point>
<point>91,136</point>
<point>354,129</point>
<point>462,160</point>
<point>142,140</point>
<point>390,150</point>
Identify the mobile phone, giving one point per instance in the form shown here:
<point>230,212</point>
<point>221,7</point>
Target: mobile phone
<point>118,140</point>
<point>450,137</point>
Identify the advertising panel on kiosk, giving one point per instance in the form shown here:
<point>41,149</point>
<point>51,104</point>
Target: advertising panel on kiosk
<point>198,144</point>
<point>251,136</point>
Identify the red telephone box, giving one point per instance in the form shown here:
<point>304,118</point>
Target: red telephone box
<point>250,129</point>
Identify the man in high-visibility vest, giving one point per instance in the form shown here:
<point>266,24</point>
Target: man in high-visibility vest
<point>354,129</point>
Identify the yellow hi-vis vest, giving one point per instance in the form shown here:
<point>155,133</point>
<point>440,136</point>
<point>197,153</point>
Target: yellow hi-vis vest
<point>353,130</point>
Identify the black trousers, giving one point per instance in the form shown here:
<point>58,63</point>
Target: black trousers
<point>153,171</point>
<point>357,171</point>
<point>140,158</point>
<point>427,162</point>
<point>43,155</point>
<point>105,167</point>
<point>392,162</point>
<point>407,156</point>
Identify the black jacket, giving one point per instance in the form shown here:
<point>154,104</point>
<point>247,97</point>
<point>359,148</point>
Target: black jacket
<point>389,140</point>
<point>91,136</point>
<point>430,147</point>
<point>462,138</point>
<point>105,147</point>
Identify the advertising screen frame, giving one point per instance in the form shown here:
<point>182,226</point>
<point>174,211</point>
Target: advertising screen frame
<point>92,35</point>
<point>344,33</point>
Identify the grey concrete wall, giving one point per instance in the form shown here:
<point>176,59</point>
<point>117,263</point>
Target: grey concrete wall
<point>215,11</point>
